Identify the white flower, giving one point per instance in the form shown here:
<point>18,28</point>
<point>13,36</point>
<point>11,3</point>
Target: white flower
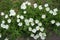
<point>54,13</point>
<point>44,34</point>
<point>9,20</point>
<point>4,26</point>
<point>28,3</point>
<point>36,21</point>
<point>18,20</point>
<point>23,6</point>
<point>51,12</point>
<point>47,9</point>
<point>20,24</point>
<point>52,21</point>
<point>2,14</point>
<point>32,24</point>
<point>46,5</point>
<point>57,24</point>
<point>36,36</point>
<point>39,24</point>
<point>21,17</point>
<point>3,21</point>
<point>6,39</point>
<point>24,3</point>
<point>35,5</point>
<point>0,35</point>
<point>30,19</point>
<point>6,16</point>
<point>40,7</point>
<point>34,30</point>
<point>30,29</point>
<point>37,27</point>
<point>24,12</point>
<point>41,29</point>
<point>43,16</point>
<point>12,13</point>
<point>40,34</point>
<point>55,10</point>
<point>32,35</point>
<point>18,16</point>
<point>26,22</point>
<point>43,37</point>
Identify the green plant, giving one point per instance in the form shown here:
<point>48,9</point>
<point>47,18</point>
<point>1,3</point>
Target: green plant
<point>27,20</point>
